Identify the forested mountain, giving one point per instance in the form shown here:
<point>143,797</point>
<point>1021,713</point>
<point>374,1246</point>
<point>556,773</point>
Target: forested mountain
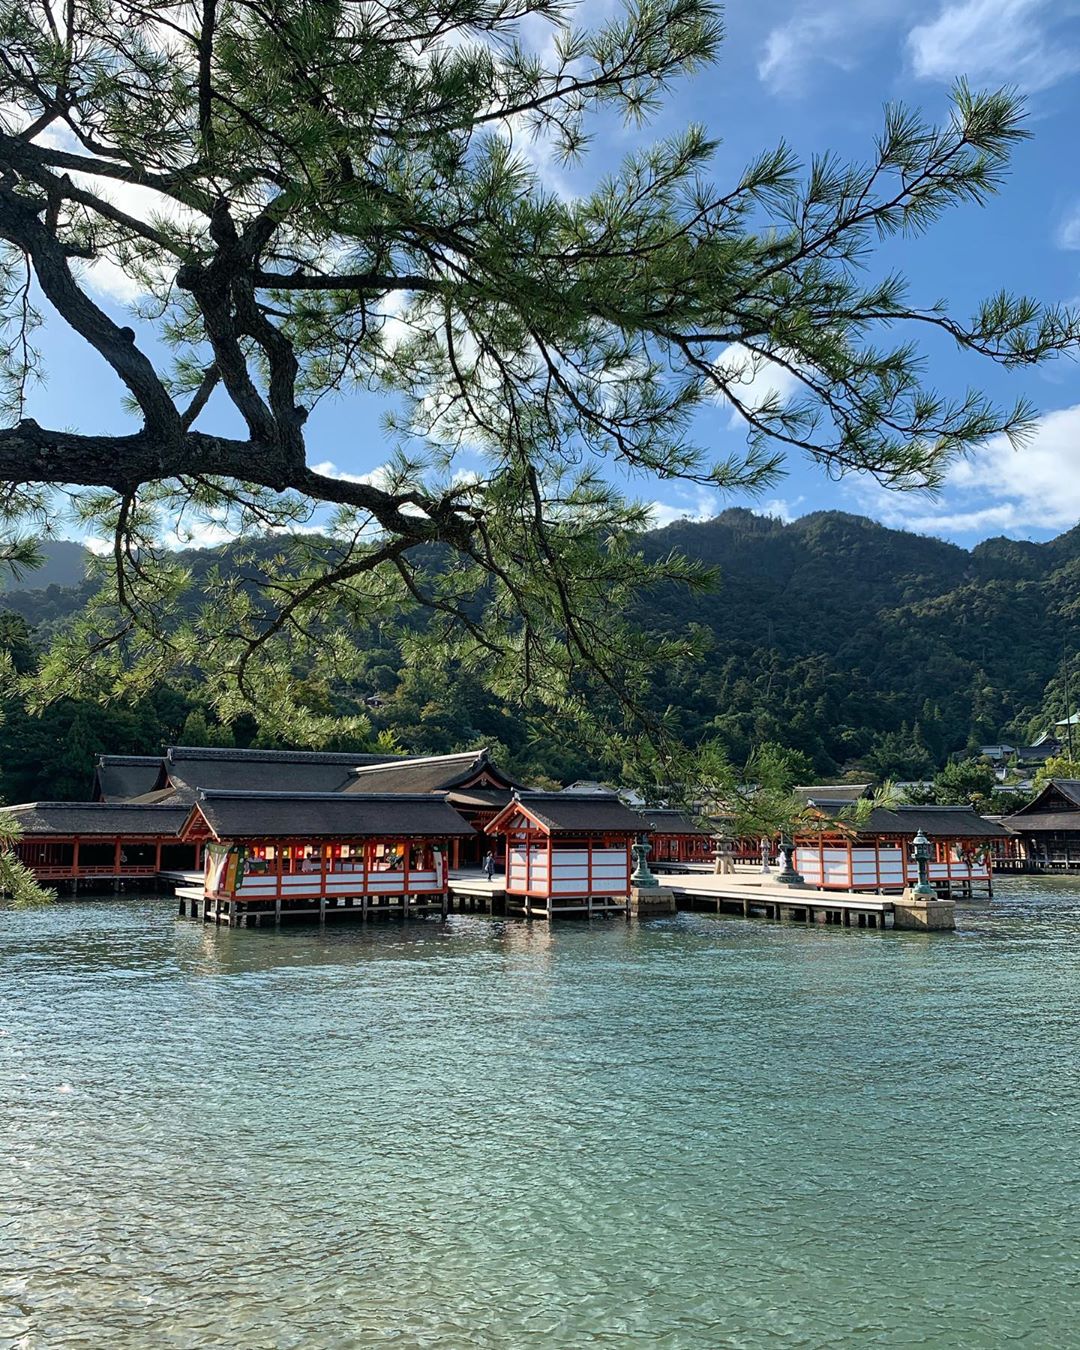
<point>64,565</point>
<point>864,647</point>
<point>854,642</point>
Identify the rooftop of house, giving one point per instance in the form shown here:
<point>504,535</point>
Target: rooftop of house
<point>429,773</point>
<point>119,778</point>
<point>668,820</point>
<point>574,813</point>
<point>1055,808</point>
<point>104,819</point>
<point>322,815</point>
<point>833,792</point>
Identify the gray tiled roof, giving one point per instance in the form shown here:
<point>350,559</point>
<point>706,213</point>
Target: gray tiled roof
<point>118,778</point>
<point>580,813</point>
<point>666,820</point>
<point>226,769</point>
<point>426,773</point>
<point>1045,812</point>
<point>952,822</point>
<point>113,819</point>
<point>1045,822</point>
<point>323,815</point>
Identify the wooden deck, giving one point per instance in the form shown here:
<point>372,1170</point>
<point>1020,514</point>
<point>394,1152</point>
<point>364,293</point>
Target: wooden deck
<point>746,893</point>
<point>231,913</point>
<point>753,894</point>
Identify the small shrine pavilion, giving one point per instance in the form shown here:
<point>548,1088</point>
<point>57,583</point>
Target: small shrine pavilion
<point>567,852</point>
<point>841,852</point>
<point>285,855</point>
<point>1049,827</point>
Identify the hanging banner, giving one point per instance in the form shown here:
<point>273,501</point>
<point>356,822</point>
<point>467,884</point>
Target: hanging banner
<point>217,858</point>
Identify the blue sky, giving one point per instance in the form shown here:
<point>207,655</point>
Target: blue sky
<point>816,72</point>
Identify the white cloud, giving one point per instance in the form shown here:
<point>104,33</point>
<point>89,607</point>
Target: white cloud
<point>1024,42</point>
<point>821,34</point>
<point>756,380</point>
<point>1068,232</point>
<point>780,508</point>
<point>1002,490</point>
<point>379,477</point>
<point>200,534</point>
<point>105,275</point>
<point>701,504</point>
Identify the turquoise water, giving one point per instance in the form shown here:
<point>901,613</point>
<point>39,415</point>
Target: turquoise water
<point>698,1132</point>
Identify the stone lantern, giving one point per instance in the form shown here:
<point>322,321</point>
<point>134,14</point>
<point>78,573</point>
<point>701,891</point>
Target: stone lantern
<point>788,876</point>
<point>920,906</point>
<point>647,897</point>
<point>920,849</point>
<point>642,876</point>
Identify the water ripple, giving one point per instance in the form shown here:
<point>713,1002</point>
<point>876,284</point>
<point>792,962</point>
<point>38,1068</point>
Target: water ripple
<point>695,1133</point>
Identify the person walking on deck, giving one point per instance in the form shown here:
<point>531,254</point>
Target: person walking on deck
<point>489,865</point>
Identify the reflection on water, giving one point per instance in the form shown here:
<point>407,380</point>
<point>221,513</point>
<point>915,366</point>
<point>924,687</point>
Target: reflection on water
<point>692,1133</point>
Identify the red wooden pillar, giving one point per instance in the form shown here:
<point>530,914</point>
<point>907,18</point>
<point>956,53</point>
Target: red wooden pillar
<point>278,864</point>
<point>116,857</point>
<point>157,857</point>
<point>75,857</point>
<point>588,866</point>
<point>406,846</point>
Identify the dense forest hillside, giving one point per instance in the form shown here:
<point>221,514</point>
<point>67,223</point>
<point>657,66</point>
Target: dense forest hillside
<point>865,648</point>
<point>857,643</point>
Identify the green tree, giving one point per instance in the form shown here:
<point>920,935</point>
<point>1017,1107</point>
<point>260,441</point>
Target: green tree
<point>19,888</point>
<point>198,730</point>
<point>967,782</point>
<point>1057,766</point>
<point>17,643</point>
<point>331,198</point>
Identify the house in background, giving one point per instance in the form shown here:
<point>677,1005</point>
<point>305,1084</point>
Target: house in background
<point>1049,827</point>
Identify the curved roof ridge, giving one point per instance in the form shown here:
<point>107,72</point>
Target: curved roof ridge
<point>229,752</point>
<point>271,794</point>
<point>106,758</point>
<point>408,761</point>
<point>91,806</point>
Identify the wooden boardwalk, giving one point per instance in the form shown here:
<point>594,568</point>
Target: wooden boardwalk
<point>756,894</point>
<point>747,893</point>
